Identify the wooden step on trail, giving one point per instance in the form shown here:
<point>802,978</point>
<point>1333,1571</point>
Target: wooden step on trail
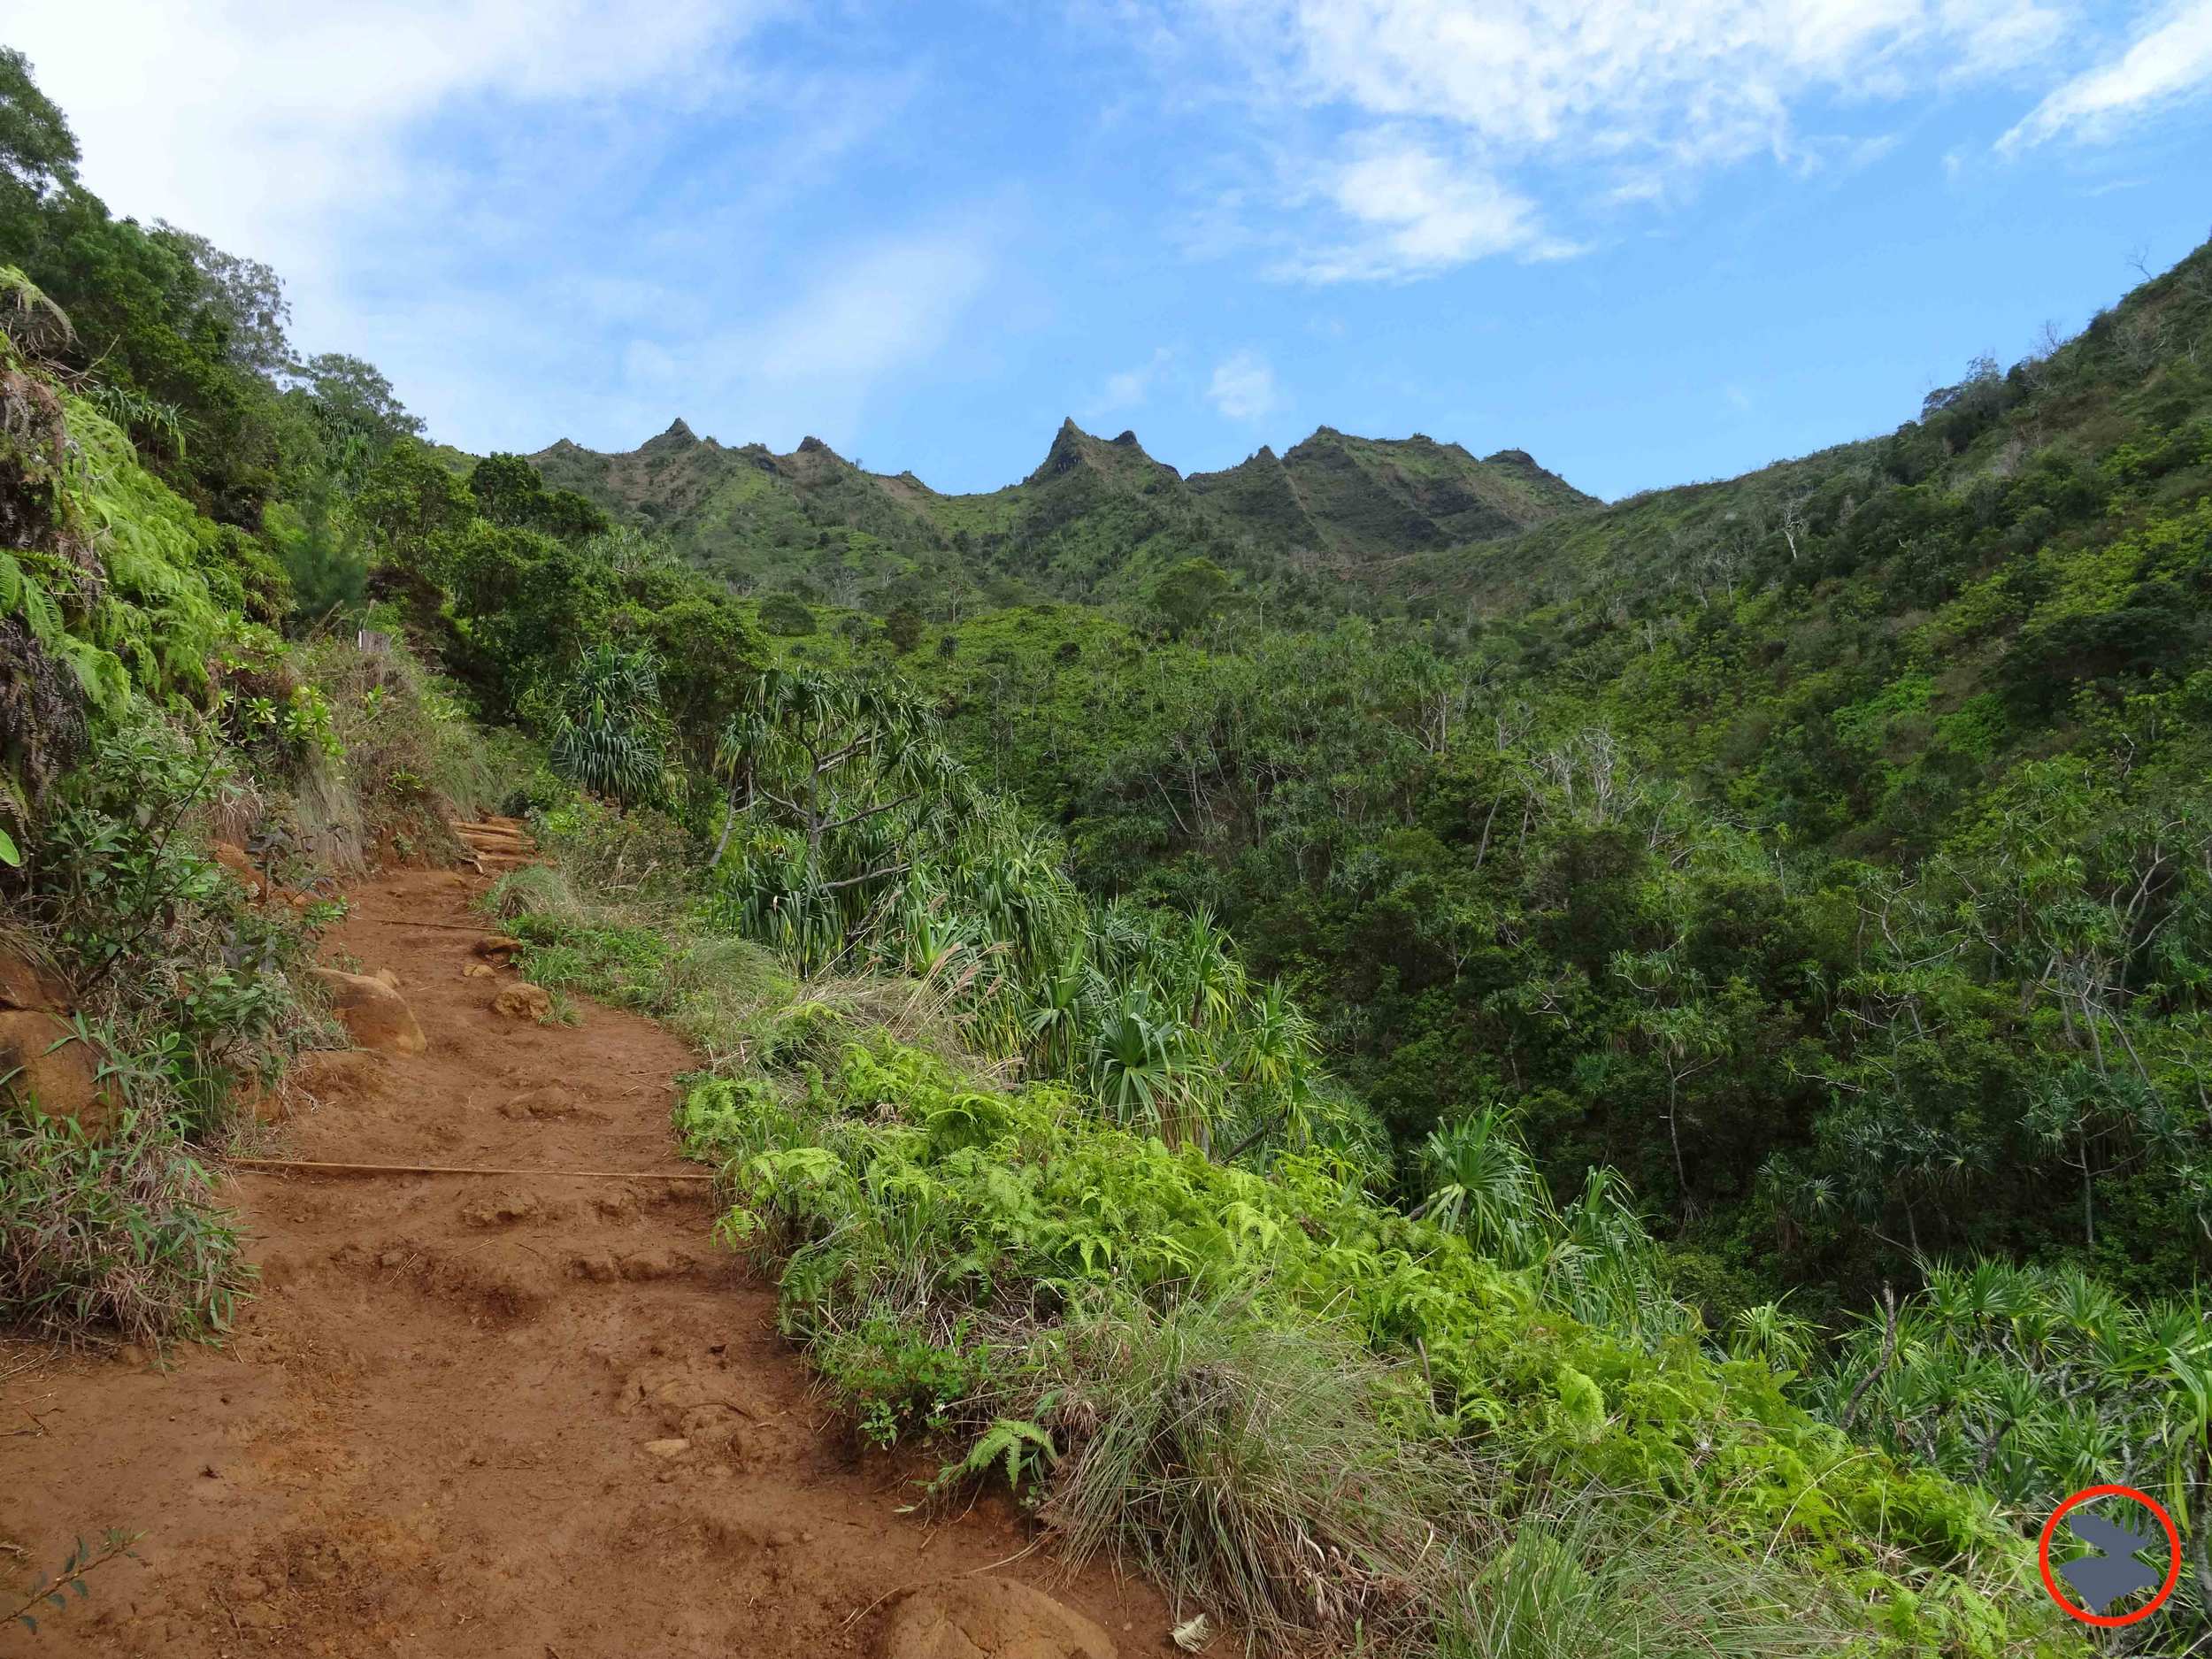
<point>494,845</point>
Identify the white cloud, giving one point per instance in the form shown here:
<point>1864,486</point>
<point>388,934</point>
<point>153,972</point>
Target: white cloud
<point>252,120</point>
<point>2170,58</point>
<point>1445,115</point>
<point>1243,386</point>
<point>492,200</point>
<point>815,362</point>
<point>1414,213</point>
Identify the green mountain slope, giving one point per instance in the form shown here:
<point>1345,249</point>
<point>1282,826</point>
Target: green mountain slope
<point>1098,518</point>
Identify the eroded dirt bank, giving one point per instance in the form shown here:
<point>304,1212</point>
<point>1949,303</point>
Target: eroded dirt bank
<point>448,1422</point>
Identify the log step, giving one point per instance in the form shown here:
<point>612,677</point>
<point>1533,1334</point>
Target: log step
<point>495,845</point>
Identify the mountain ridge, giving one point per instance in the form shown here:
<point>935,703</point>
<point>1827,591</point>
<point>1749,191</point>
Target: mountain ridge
<point>1097,517</point>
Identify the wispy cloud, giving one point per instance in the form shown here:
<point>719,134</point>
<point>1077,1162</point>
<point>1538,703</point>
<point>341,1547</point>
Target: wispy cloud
<point>824,354</point>
<point>1130,389</point>
<point>1412,212</point>
<point>1243,386</point>
<point>248,119</point>
<point>1417,135</point>
<point>2170,59</point>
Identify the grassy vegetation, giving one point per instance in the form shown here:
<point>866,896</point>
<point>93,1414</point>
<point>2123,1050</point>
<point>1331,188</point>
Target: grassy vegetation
<point>1288,1402</point>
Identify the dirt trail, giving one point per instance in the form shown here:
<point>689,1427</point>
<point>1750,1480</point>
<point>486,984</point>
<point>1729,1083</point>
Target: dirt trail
<point>444,1424</point>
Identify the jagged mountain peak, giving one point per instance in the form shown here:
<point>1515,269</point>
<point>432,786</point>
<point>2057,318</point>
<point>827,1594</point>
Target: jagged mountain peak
<point>1072,448</point>
<point>1358,502</point>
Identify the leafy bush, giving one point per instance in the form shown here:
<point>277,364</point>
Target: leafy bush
<point>897,1192</point>
<point>409,756</point>
<point>194,984</point>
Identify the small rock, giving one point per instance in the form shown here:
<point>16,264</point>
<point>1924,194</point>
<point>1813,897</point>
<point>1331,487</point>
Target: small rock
<point>668,1448</point>
<point>53,1072</point>
<point>522,1001</point>
<point>375,1015</point>
<point>494,946</point>
<point>988,1618</point>
<point>478,971</point>
<point>502,1211</point>
<point>547,1101</point>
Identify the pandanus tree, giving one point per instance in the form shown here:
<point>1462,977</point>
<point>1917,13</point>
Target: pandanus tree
<point>844,785</point>
<point>1145,1069</point>
<point>609,735</point>
<point>1593,1256</point>
<point>2033,1381</point>
<point>852,837</point>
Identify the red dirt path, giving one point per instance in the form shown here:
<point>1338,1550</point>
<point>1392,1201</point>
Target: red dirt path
<point>429,1434</point>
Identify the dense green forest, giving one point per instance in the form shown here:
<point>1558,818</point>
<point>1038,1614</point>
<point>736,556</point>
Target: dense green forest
<point>1824,849</point>
<point>1669,1039</point>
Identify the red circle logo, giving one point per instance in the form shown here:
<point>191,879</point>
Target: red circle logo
<point>2173,1545</point>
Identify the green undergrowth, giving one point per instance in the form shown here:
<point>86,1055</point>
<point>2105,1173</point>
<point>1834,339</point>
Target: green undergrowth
<point>962,1257</point>
<point>148,711</point>
<point>1291,1405</point>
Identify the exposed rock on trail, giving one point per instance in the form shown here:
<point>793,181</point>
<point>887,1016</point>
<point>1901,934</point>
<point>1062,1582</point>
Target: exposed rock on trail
<point>988,1618</point>
<point>496,844</point>
<point>44,1064</point>
<point>471,1416</point>
<point>373,1012</point>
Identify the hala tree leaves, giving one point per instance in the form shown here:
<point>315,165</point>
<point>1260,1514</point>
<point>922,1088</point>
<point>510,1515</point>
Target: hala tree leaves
<point>611,735</point>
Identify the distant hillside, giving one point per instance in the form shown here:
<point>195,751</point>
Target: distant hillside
<point>1096,519</point>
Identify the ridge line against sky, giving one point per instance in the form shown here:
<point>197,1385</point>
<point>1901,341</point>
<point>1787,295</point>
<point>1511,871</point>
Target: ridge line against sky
<point>1645,246</point>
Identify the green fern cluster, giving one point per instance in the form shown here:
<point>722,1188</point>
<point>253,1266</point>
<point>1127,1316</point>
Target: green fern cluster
<point>894,1186</point>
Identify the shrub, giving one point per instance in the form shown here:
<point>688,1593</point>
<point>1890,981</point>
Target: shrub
<point>122,1235</point>
<point>1274,1391</point>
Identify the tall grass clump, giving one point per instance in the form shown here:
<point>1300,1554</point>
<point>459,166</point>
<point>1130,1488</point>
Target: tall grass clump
<point>1566,1584</point>
<point>1255,1469</point>
<point>119,1235</point>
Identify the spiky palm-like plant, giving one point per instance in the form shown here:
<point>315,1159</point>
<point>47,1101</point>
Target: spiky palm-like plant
<point>611,735</point>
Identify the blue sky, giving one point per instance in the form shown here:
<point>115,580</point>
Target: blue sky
<point>1648,243</point>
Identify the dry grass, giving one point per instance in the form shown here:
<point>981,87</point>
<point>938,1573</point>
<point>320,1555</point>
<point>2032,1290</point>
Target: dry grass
<point>1251,1468</point>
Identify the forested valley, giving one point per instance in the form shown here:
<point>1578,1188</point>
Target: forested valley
<point>1432,1064</point>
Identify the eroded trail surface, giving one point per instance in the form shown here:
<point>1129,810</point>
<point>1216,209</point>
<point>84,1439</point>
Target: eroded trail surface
<point>525,1416</point>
